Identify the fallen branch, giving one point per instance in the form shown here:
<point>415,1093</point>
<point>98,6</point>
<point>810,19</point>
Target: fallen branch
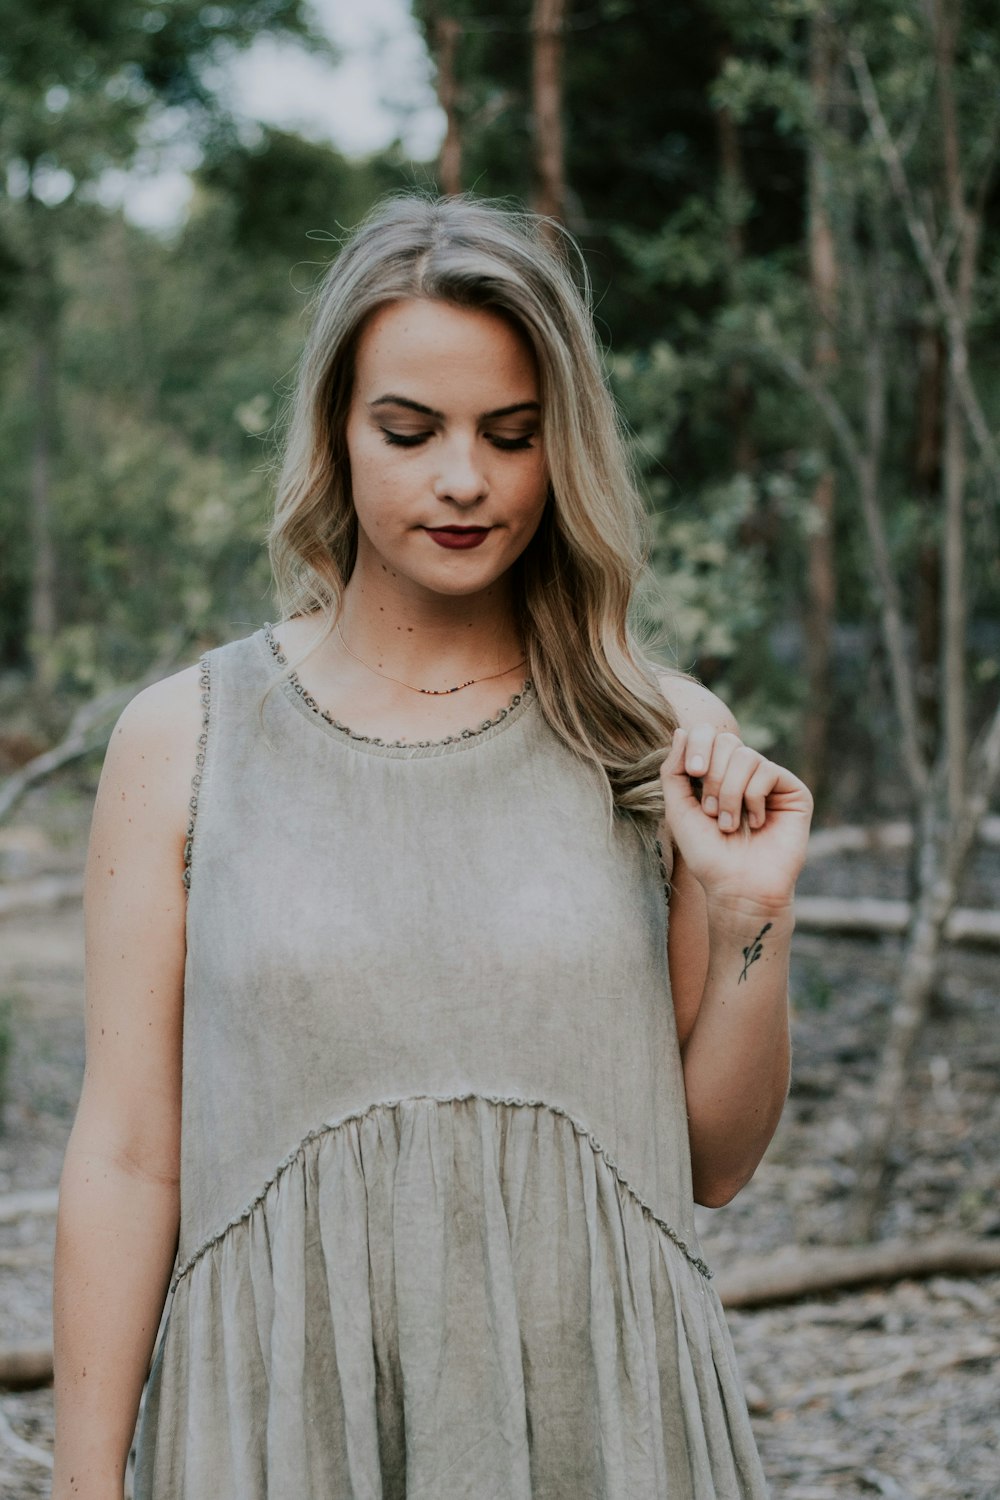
<point>17,1205</point>
<point>90,729</point>
<point>869,915</point>
<point>25,1256</point>
<point>40,894</point>
<point>809,1272</point>
<point>877,838</point>
<point>10,1439</point>
<point>862,1380</point>
<point>25,1367</point>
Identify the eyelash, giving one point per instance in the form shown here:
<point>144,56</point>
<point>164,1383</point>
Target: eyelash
<point>505,445</point>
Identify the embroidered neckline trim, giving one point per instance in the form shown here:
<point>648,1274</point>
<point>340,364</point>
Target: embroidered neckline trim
<point>310,702</point>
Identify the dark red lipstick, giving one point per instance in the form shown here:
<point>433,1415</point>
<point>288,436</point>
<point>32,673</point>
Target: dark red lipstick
<point>458,536</point>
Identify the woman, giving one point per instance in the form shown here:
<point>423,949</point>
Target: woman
<point>425,1199</point>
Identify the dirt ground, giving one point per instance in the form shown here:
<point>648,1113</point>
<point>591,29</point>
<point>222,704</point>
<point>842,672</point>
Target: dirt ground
<point>889,1392</point>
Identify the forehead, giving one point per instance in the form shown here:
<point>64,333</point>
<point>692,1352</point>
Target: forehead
<point>438,346</point>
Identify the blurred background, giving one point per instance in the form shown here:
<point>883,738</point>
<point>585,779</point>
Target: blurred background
<point>789,214</point>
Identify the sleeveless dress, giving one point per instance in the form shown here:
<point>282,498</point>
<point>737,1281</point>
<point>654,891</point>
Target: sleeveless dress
<point>437,1231</point>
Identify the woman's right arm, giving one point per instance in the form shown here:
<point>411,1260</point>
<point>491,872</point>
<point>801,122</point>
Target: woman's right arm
<point>116,1232</point>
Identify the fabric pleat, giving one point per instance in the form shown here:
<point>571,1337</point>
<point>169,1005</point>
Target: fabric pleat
<point>445,1298</point>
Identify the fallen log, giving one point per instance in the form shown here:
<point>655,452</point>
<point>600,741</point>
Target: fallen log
<point>90,728</point>
<point>811,1271</point>
<point>16,1205</point>
<point>25,1367</point>
<point>17,1445</point>
<point>869,915</point>
<point>874,838</point>
<point>791,1397</point>
<point>40,894</point>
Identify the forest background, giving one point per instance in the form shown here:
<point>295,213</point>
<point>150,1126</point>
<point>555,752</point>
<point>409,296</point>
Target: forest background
<point>771,327</point>
<point>789,214</point>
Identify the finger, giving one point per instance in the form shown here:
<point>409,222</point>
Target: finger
<point>723,747</point>
<point>758,789</point>
<point>735,788</point>
<point>700,739</point>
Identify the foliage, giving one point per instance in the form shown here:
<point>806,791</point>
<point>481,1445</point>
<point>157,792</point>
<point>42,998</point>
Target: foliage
<point>691,134</point>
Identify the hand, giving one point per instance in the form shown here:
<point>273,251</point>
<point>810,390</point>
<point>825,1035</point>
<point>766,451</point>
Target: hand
<point>751,865</point>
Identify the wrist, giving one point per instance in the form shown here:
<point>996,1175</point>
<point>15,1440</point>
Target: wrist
<point>728,910</point>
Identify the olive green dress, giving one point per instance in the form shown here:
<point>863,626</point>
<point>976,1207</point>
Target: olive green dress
<point>437,1230</point>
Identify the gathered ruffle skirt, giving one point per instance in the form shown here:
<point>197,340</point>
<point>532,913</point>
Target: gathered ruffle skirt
<point>447,1299</point>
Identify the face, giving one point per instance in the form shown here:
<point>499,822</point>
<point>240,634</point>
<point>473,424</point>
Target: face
<point>444,436</point>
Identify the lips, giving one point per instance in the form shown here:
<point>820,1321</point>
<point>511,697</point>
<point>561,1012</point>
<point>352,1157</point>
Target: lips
<point>458,536</point>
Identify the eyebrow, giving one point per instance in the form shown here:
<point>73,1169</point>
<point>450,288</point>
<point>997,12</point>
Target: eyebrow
<point>428,411</point>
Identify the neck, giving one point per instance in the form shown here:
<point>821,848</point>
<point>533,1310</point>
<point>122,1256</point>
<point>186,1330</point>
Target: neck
<point>430,641</point>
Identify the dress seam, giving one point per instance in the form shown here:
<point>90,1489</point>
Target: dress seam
<point>518,1101</point>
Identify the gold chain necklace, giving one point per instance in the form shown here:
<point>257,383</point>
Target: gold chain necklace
<point>435,692</point>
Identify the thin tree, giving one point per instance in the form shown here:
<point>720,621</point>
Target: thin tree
<point>824,276</point>
<point>548,21</point>
<point>42,307</point>
<point>733,202</point>
<point>446,33</point>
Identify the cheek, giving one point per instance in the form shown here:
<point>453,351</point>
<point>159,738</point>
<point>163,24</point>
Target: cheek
<point>377,485</point>
<point>534,490</point>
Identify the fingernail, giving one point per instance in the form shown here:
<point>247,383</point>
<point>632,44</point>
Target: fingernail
<point>710,805</point>
<point>725,820</point>
<point>696,764</point>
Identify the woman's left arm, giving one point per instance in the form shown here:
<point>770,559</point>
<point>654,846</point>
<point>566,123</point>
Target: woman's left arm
<point>738,854</point>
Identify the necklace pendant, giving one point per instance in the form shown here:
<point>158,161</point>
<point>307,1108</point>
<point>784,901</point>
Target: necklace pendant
<point>433,692</point>
<point>443,692</point>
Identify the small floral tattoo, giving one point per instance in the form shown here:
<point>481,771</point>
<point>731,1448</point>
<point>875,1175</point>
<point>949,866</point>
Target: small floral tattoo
<point>754,950</point>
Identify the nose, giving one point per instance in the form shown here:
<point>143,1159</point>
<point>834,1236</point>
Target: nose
<point>460,475</point>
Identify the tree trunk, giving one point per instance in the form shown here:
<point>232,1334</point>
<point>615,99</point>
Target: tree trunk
<point>547,22</point>
<point>43,311</point>
<point>947,18</point>
<point>927,471</point>
<point>733,197</point>
<point>446,32</point>
<point>945,843</point>
<point>815,1270</point>
<point>42,610</point>
<point>821,602</point>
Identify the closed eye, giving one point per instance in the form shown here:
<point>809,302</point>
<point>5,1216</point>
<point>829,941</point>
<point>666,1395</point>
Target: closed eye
<point>405,440</point>
<point>513,445</point>
<point>414,439</point>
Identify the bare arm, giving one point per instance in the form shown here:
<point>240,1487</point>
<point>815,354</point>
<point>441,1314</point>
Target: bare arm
<point>731,922</point>
<point>116,1231</point>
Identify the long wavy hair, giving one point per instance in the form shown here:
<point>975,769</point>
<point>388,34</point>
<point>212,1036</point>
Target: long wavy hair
<point>574,584</point>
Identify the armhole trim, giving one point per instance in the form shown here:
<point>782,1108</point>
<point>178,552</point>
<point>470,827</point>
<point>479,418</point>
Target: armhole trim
<point>205,683</point>
<point>665,872</point>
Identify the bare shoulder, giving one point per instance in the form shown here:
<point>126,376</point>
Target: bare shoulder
<point>693,703</point>
<point>150,760</point>
<point>165,705</point>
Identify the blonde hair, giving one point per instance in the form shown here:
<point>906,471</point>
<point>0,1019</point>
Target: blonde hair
<point>575,581</point>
